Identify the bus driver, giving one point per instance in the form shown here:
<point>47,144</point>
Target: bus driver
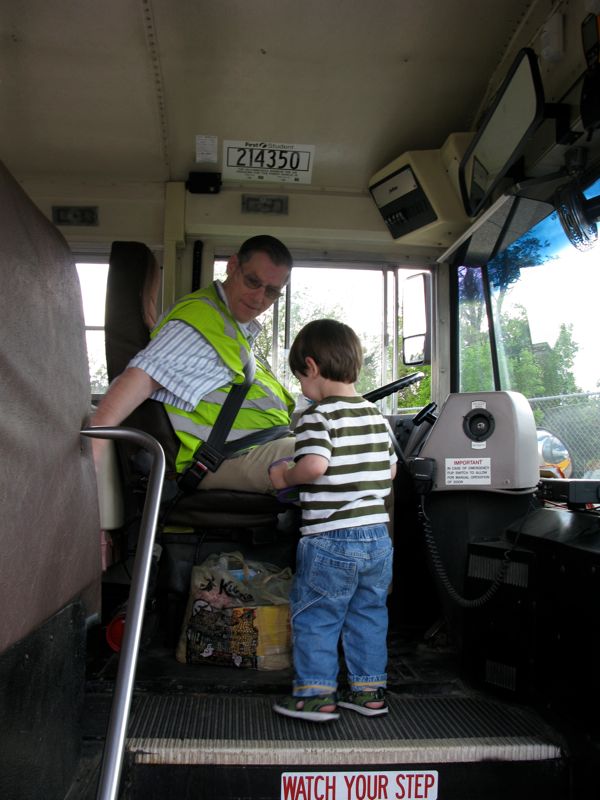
<point>195,354</point>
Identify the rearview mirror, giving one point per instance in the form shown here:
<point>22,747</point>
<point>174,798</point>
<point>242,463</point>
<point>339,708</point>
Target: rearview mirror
<point>416,299</point>
<point>515,115</point>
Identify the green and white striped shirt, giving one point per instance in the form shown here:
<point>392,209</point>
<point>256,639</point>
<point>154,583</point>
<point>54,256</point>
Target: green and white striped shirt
<point>352,435</point>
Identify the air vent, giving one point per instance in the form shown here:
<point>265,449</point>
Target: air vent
<point>86,216</point>
<point>264,204</point>
<point>487,569</point>
<point>504,676</point>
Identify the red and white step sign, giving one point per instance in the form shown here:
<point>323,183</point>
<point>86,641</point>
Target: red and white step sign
<point>402,785</point>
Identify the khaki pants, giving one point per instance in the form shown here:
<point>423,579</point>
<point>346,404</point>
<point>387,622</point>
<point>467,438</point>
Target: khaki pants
<point>249,472</point>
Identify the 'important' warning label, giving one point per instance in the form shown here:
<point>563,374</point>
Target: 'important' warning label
<point>468,472</point>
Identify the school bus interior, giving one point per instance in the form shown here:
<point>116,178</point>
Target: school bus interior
<point>144,141</point>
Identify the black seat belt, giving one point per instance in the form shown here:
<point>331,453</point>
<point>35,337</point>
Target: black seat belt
<point>210,454</point>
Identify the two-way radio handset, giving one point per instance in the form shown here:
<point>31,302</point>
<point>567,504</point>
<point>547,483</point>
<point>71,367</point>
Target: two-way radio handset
<point>422,472</point>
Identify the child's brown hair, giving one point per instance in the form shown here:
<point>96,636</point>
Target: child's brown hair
<point>334,346</point>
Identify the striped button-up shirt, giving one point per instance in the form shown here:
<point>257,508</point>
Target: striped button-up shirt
<point>185,364</point>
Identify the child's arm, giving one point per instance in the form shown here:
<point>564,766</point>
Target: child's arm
<point>307,470</point>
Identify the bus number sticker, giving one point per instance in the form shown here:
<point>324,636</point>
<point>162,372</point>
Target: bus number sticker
<point>268,161</point>
<point>468,471</point>
<point>405,785</point>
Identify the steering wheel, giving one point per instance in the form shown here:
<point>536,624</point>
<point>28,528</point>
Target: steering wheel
<point>394,386</point>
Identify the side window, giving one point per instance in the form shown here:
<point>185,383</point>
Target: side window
<point>92,278</point>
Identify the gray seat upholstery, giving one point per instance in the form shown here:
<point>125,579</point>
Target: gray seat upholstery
<point>50,528</point>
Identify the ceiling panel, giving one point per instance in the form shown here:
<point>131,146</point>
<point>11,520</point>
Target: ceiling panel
<point>119,89</point>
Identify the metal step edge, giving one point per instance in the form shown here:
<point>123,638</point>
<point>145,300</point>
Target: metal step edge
<point>244,730</point>
<point>291,753</point>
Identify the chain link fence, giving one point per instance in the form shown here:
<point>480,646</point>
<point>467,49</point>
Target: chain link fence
<point>575,420</point>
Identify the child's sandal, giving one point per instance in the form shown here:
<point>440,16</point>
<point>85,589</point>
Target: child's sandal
<point>359,701</point>
<point>309,708</point>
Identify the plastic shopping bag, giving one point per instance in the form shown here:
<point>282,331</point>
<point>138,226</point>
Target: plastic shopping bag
<point>237,614</point>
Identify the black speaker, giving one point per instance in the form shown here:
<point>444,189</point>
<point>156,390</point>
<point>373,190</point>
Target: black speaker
<point>203,183</point>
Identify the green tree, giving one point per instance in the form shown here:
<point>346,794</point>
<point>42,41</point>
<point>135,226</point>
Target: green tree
<point>370,374</point>
<point>98,378</point>
<point>524,371</point>
<point>304,309</point>
<point>533,371</point>
<point>472,307</point>
<point>475,359</point>
<point>559,363</point>
<point>476,367</point>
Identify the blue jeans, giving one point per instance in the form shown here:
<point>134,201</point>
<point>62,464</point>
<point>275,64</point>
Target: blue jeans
<point>340,589</point>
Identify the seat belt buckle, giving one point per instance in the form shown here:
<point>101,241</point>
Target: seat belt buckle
<point>206,459</point>
<point>189,480</point>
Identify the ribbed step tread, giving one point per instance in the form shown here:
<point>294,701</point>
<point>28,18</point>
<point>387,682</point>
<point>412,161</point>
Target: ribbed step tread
<point>228,729</point>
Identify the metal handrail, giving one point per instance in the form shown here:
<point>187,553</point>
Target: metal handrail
<point>112,759</point>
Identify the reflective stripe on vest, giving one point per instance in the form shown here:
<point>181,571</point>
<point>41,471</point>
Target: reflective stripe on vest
<point>267,403</point>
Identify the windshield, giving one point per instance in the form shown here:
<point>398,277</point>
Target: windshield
<point>541,295</point>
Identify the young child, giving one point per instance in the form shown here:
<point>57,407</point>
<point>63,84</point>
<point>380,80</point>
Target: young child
<point>344,464</point>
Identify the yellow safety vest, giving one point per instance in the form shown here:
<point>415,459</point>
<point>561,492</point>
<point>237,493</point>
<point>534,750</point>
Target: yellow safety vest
<point>267,404</point>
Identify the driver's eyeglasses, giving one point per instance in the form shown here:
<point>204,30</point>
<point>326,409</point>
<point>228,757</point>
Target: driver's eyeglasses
<point>252,282</point>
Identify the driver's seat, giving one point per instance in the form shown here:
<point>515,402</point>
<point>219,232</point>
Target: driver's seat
<point>131,303</point>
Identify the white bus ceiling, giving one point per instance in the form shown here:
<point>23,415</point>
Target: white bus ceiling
<point>102,103</point>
